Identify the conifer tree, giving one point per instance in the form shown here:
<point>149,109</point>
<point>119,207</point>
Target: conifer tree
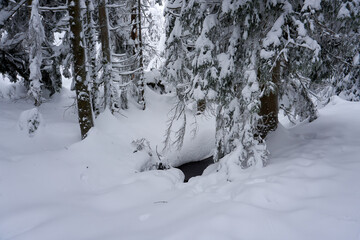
<point>16,57</point>
<point>239,89</point>
<point>201,32</point>
<point>121,62</point>
<point>106,61</point>
<point>91,41</point>
<point>177,66</point>
<point>136,37</point>
<point>35,38</point>
<point>244,58</point>
<point>335,26</point>
<point>83,99</point>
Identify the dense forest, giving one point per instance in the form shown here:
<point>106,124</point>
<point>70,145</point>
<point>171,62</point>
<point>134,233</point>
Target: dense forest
<point>179,119</point>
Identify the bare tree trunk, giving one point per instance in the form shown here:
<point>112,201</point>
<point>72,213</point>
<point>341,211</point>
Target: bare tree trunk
<point>270,105</point>
<point>82,94</point>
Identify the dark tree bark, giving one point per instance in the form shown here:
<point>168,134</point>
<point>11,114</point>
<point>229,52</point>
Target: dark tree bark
<point>82,94</point>
<point>29,3</point>
<point>201,106</point>
<point>270,105</point>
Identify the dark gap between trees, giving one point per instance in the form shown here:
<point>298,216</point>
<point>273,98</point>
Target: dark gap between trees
<point>193,169</point>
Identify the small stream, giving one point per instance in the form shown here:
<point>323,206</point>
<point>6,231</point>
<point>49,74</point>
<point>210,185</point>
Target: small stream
<point>194,169</point>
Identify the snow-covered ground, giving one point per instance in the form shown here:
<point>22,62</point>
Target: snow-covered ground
<point>54,186</point>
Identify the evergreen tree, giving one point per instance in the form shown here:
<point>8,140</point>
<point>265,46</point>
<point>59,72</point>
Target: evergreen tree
<point>91,41</point>
<point>53,13</point>
<point>238,88</point>
<point>245,56</point>
<point>136,37</point>
<point>126,52</point>
<point>336,27</point>
<point>177,67</point>
<point>201,36</point>
<point>106,61</point>
<point>152,34</point>
<point>16,51</point>
<point>14,25</point>
<point>79,76</point>
<point>35,39</point>
<point>179,53</point>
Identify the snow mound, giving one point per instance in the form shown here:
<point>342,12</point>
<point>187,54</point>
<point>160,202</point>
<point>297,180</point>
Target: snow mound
<point>30,121</point>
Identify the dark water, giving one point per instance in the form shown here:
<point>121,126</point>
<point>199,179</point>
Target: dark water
<point>193,169</point>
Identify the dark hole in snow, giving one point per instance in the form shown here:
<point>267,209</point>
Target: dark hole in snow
<point>193,169</point>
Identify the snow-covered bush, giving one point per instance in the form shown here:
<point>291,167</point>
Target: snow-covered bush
<point>12,91</point>
<point>153,161</point>
<point>142,145</point>
<point>30,121</point>
<point>154,80</point>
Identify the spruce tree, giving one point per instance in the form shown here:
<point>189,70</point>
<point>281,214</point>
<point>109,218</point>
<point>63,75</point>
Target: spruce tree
<point>35,38</point>
<point>106,61</point>
<point>91,41</point>
<point>83,99</point>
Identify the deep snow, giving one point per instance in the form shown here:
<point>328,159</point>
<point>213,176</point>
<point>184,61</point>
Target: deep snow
<point>54,186</point>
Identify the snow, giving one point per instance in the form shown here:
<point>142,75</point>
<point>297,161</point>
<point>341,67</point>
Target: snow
<point>300,28</point>
<point>344,12</point>
<point>272,37</point>
<point>31,121</point>
<point>266,54</point>
<point>313,45</point>
<point>356,59</point>
<point>312,4</point>
<point>226,64</point>
<point>11,91</point>
<point>54,186</point>
<point>176,32</point>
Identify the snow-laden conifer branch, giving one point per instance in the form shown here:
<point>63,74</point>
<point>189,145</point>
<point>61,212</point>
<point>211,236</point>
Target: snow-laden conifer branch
<point>115,5</point>
<point>53,9</point>
<point>128,72</point>
<point>6,15</point>
<point>176,112</point>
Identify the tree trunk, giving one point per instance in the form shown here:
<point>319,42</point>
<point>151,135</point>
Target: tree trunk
<point>29,4</point>
<point>35,39</point>
<point>201,106</point>
<point>90,36</point>
<point>137,39</point>
<point>141,86</point>
<point>82,94</point>
<point>106,52</point>
<point>270,106</point>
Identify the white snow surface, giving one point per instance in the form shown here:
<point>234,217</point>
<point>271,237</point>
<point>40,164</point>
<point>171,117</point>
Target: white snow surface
<point>312,4</point>
<point>54,186</point>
